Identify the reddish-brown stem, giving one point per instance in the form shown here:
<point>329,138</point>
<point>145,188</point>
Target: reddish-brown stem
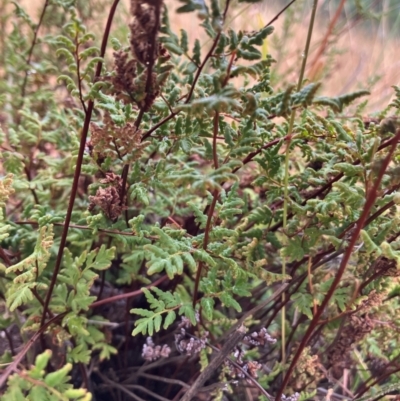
<point>252,155</point>
<point>28,175</point>
<point>379,212</point>
<point>158,125</point>
<point>319,262</point>
<point>78,73</point>
<point>216,192</point>
<point>167,103</point>
<point>324,43</point>
<point>364,387</point>
<point>126,295</point>
<point>279,14</point>
<point>4,256</point>
<point>78,168</point>
<point>79,227</point>
<point>228,71</point>
<point>150,65</point>
<point>103,274</point>
<point>124,176</point>
<point>10,341</point>
<point>205,243</point>
<point>216,128</point>
<point>29,59</point>
<point>371,197</point>
<point>200,69</point>
<point>69,210</point>
<point>320,191</point>
<point>17,360</point>
<point>40,300</point>
<point>207,57</point>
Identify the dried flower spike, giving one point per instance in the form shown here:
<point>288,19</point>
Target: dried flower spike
<point>109,199</point>
<point>144,30</point>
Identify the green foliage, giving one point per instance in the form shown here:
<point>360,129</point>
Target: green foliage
<point>165,303</point>
<point>35,383</point>
<point>173,151</point>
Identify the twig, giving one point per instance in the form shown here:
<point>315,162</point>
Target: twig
<point>215,134</point>
<point>167,103</point>
<point>252,155</point>
<point>245,373</point>
<point>371,197</point>
<point>216,362</point>
<point>326,187</point>
<point>78,168</point>
<point>13,365</point>
<point>126,295</point>
<point>324,43</point>
<point>145,390</point>
<point>78,73</point>
<point>80,227</point>
<point>254,310</point>
<point>164,379</point>
<point>197,76</point>
<point>150,64</point>
<point>29,59</point>
<point>159,124</point>
<point>10,341</point>
<point>162,362</point>
<point>119,387</point>
<point>249,377</point>
<point>205,244</point>
<point>279,14</point>
<point>200,69</point>
<point>180,382</point>
<point>287,156</point>
<point>326,392</point>
<point>210,211</point>
<point>29,177</point>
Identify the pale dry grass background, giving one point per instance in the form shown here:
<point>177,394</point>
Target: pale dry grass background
<point>363,60</point>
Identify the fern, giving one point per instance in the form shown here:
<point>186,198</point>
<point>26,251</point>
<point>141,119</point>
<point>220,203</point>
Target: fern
<point>144,169</point>
<point>36,384</point>
<point>165,303</point>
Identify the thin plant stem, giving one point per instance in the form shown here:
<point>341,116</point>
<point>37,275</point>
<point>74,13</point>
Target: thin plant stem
<point>127,294</point>
<point>12,367</point>
<point>371,198</point>
<point>119,387</point>
<point>279,14</point>
<point>78,168</point>
<point>205,244</point>
<point>215,155</point>
<point>149,80</point>
<point>25,82</point>
<point>164,379</point>
<point>287,156</point>
<point>215,363</point>
<point>210,211</point>
<point>30,53</point>
<point>324,43</point>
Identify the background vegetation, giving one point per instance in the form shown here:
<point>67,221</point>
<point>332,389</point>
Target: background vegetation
<point>196,204</point>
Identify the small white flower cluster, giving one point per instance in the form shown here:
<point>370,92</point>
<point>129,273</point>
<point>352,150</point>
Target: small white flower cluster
<point>250,367</point>
<point>293,397</point>
<point>190,345</point>
<point>259,338</point>
<point>151,352</point>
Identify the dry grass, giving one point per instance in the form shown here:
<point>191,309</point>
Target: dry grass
<point>362,59</point>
